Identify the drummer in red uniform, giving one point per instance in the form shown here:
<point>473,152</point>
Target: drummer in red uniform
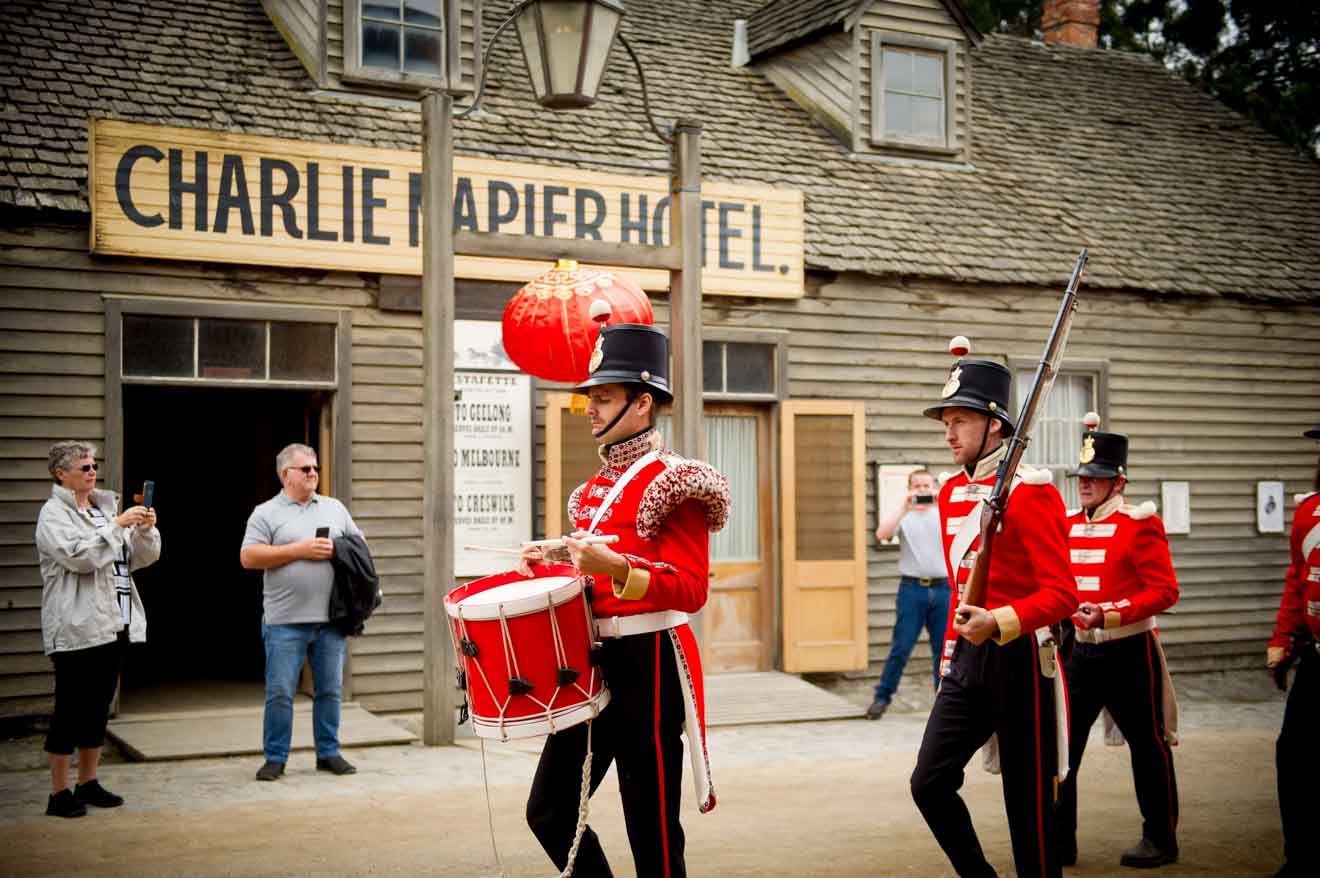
<point>994,667</point>
<point>663,508</point>
<point>1125,577</point>
<point>1295,639</point>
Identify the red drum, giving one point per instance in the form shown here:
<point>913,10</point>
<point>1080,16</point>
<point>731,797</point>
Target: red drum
<point>524,650</point>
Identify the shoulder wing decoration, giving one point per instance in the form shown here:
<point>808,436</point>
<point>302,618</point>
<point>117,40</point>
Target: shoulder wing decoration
<point>1139,511</point>
<point>1033,476</point>
<point>683,480</point>
<point>575,503</point>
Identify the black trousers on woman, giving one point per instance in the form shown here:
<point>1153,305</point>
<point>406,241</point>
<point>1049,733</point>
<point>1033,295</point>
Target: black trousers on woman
<point>85,681</point>
<point>992,689</point>
<point>1123,677</point>
<point>638,732</point>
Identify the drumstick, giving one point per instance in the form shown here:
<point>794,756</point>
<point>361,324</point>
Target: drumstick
<point>496,549</point>
<point>559,543</point>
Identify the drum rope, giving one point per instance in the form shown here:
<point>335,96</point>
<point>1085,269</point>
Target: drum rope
<point>584,808</point>
<point>490,813</point>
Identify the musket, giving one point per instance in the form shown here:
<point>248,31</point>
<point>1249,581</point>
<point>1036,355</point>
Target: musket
<point>992,513</point>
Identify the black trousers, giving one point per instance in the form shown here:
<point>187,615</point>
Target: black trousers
<point>1123,677</point>
<point>85,681</point>
<point>992,689</point>
<point>1295,763</point>
<point>639,732</point>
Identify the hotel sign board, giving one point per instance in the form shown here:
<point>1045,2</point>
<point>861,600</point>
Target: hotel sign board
<point>214,196</point>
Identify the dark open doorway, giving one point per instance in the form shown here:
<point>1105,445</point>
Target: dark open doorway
<point>211,453</point>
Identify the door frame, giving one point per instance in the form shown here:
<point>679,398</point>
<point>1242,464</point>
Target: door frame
<point>339,422</point>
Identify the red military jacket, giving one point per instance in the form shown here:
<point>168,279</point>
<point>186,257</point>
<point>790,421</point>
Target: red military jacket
<point>663,517</point>
<point>1120,556</point>
<point>1299,608</point>
<point>1031,583</point>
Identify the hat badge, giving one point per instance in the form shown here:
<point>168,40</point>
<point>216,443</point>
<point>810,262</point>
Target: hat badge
<point>600,312</point>
<point>598,354</point>
<point>1088,450</point>
<point>951,386</point>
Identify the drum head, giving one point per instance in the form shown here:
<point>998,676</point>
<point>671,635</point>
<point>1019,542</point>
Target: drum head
<point>514,597</point>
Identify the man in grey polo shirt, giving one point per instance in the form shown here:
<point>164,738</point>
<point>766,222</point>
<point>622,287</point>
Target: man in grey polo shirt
<point>923,586</point>
<point>282,540</point>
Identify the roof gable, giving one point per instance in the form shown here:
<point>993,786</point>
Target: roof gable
<point>783,23</point>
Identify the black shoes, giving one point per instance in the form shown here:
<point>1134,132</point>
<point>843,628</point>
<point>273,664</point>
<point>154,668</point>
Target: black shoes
<point>270,771</point>
<point>1145,854</point>
<point>1067,852</point>
<point>65,804</point>
<point>92,793</point>
<point>336,764</point>
<point>877,709</point>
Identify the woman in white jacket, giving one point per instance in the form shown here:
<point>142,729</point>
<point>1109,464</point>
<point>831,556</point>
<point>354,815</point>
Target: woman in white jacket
<point>90,610</point>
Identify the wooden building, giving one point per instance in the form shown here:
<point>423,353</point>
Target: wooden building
<point>178,284</point>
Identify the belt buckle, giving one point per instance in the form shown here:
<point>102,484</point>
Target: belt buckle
<point>925,580</point>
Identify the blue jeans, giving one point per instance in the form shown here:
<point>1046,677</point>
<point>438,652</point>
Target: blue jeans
<point>918,605</point>
<point>286,645</point>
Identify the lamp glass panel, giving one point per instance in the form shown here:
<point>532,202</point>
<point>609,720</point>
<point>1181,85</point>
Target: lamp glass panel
<point>528,35</point>
<point>604,25</point>
<point>563,22</point>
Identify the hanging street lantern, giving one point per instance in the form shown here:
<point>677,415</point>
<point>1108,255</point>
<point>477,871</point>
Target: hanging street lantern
<point>550,325</point>
<point>566,44</point>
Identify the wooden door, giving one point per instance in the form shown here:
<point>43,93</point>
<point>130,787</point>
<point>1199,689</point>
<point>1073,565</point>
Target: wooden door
<point>822,446</point>
<point>739,614</point>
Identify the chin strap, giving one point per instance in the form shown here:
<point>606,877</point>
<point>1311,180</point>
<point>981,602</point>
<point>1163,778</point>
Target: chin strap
<point>1103,500</point>
<point>610,426</point>
<point>971,468</point>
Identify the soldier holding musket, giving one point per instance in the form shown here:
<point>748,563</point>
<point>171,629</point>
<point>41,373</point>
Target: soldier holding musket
<point>1295,639</point>
<point>1120,556</point>
<point>993,679</point>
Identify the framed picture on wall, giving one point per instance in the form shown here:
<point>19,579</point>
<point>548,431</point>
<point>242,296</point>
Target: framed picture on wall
<point>1176,507</point>
<point>1269,507</point>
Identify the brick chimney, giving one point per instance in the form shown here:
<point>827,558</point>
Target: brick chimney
<point>1071,22</point>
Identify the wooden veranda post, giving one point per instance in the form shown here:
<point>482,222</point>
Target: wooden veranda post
<point>685,289</point>
<point>438,689</point>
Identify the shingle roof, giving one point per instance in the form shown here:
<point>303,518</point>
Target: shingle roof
<point>1170,190</point>
<point>781,22</point>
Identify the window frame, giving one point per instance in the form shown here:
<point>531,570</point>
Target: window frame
<point>776,338</point>
<point>1097,370</point>
<point>356,72</point>
<point>949,49</point>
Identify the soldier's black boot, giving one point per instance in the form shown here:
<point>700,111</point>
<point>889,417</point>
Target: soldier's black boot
<point>1145,854</point>
<point>1067,847</point>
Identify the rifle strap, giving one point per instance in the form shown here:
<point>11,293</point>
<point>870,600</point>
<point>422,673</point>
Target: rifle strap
<point>970,529</point>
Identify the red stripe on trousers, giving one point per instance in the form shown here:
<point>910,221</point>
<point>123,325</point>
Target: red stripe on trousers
<point>660,758</point>
<point>1159,738</point>
<point>1040,780</point>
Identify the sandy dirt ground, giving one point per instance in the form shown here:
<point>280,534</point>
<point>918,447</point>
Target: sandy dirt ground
<point>826,799</point>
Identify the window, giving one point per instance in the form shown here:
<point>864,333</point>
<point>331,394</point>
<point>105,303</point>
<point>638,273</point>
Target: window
<point>737,368</point>
<point>1057,438</point>
<point>162,348</point>
<point>397,42</point>
<point>911,91</point>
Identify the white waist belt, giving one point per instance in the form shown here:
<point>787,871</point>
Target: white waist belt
<point>1100,635</point>
<point>643,623</point>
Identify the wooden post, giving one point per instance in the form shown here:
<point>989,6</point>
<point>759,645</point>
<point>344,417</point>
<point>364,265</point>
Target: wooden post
<point>685,289</point>
<point>438,686</point>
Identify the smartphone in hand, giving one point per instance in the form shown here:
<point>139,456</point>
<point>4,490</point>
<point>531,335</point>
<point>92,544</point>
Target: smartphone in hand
<point>148,493</point>
<point>323,533</point>
<point>924,498</point>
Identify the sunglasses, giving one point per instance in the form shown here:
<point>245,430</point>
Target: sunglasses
<point>87,468</point>
<point>306,470</point>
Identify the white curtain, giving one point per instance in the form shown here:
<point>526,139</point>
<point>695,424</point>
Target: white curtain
<point>731,448</point>
<point>1057,438</point>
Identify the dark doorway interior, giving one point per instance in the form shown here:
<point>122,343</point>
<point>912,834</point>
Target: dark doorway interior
<point>211,453</point>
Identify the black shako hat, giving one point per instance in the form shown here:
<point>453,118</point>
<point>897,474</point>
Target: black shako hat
<point>979,385</point>
<point>1103,455</point>
<point>631,353</point>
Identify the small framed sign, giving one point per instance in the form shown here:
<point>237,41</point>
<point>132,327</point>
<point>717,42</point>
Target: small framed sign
<point>1176,506</point>
<point>1269,507</point>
